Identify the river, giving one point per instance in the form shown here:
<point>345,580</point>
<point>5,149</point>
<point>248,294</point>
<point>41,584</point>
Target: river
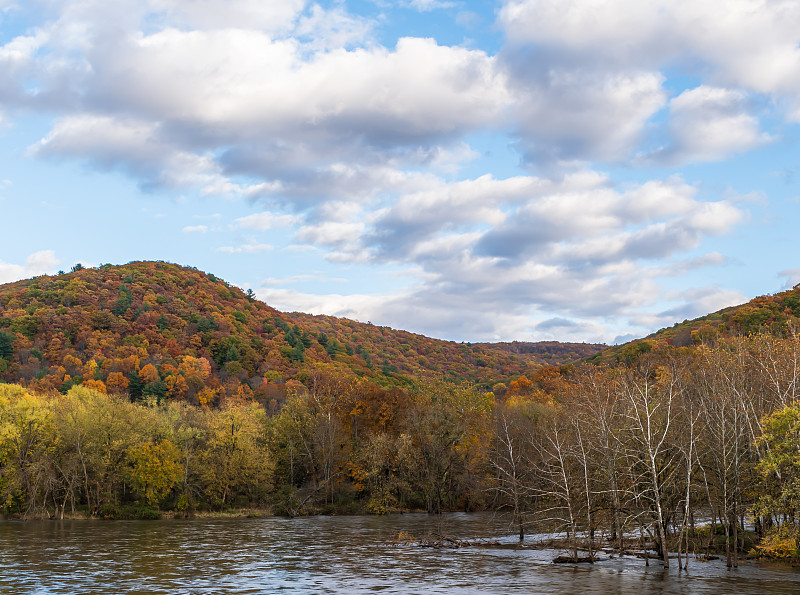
<point>329,555</point>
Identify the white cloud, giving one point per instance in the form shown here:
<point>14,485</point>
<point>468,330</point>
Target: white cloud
<point>224,14</point>
<point>302,278</point>
<point>358,149</point>
<point>742,43</point>
<point>430,5</point>
<point>265,220</point>
<point>249,248</point>
<point>336,234</point>
<point>39,263</point>
<point>713,259</point>
<point>180,98</point>
<point>331,29</point>
<point>578,247</point>
<point>439,314</point>
<point>11,272</point>
<point>691,303</point>
<point>197,108</point>
<point>139,149</point>
<point>602,224</point>
<point>710,123</point>
<point>792,277</point>
<point>566,114</point>
<point>352,306</point>
<point>589,76</point>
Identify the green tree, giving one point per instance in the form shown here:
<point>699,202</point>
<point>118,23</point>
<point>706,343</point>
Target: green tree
<point>6,345</point>
<point>780,467</point>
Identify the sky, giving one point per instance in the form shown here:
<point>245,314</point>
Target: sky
<point>575,170</point>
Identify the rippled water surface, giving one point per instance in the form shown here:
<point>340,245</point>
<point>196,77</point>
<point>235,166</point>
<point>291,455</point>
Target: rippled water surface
<point>327,555</point>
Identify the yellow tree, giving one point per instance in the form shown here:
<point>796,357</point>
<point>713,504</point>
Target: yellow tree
<point>186,427</point>
<point>26,440</point>
<point>153,470</point>
<point>236,462</point>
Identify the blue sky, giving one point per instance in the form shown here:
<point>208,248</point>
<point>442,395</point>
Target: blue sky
<point>577,170</point>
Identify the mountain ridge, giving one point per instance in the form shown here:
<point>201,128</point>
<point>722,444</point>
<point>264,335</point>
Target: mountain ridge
<point>162,330</point>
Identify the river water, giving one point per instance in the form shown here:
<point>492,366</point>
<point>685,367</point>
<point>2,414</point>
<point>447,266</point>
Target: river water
<point>329,555</point>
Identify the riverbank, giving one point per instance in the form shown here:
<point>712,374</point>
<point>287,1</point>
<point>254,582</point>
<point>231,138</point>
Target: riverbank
<point>146,513</point>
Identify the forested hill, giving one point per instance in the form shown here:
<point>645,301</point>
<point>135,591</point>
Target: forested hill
<point>163,330</point>
<point>773,313</point>
<point>410,353</point>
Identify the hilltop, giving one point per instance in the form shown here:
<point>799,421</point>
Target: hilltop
<point>774,313</point>
<point>155,329</point>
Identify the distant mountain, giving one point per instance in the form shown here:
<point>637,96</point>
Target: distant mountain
<point>160,330</point>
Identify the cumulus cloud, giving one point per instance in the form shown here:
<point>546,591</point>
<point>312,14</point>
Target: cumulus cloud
<point>601,225</point>
<point>138,149</point>
<point>525,246</point>
<point>567,114</point>
<point>358,148</point>
<point>438,311</point>
<point>460,205</point>
<point>198,93</point>
<point>713,259</point>
<point>265,220</point>
<point>710,123</point>
<point>406,309</point>
<point>195,108</point>
<point>589,73</point>
<point>650,34</point>
<point>563,329</point>
<point>39,263</point>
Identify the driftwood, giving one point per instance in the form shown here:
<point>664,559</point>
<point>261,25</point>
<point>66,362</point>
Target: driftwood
<point>572,560</point>
<point>436,540</point>
<point>439,541</point>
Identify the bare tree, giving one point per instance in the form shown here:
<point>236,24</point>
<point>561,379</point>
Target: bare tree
<point>649,392</point>
<point>510,463</point>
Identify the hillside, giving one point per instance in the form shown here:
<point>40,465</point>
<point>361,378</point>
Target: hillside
<point>337,433</point>
<point>774,313</point>
<point>411,354</point>
<point>167,331</point>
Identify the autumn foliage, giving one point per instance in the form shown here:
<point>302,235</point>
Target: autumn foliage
<point>157,330</point>
<point>151,387</point>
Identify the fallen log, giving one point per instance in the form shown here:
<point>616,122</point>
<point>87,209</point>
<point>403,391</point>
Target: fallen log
<point>573,560</point>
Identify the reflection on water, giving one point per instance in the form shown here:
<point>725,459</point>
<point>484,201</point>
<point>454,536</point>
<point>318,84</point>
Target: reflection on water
<point>327,555</point>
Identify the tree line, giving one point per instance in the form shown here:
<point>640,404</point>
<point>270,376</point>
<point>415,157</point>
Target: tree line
<point>686,449</point>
